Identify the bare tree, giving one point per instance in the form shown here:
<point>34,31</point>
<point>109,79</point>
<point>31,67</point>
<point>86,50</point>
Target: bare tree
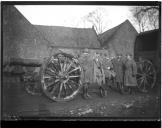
<point>147,17</point>
<point>96,19</point>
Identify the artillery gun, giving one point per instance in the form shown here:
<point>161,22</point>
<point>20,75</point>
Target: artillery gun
<point>59,75</point>
<point>26,48</point>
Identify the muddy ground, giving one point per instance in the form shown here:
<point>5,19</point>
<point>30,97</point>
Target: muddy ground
<point>18,103</point>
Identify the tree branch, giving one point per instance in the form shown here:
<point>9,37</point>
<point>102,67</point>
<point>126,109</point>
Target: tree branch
<point>146,9</point>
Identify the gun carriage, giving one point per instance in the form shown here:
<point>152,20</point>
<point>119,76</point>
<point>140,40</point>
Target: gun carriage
<point>59,75</point>
<point>57,71</point>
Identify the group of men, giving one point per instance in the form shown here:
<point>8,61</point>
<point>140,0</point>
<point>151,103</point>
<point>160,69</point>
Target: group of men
<point>95,70</point>
<point>126,70</point>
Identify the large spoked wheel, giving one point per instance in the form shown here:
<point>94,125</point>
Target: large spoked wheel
<point>146,75</point>
<point>61,76</point>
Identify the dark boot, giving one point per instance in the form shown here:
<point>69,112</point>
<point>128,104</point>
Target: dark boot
<point>118,86</point>
<point>102,91</point>
<point>85,93</point>
<point>124,89</point>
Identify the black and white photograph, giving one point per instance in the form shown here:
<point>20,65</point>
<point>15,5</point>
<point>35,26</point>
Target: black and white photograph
<point>81,61</point>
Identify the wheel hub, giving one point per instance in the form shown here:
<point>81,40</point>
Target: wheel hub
<point>63,77</point>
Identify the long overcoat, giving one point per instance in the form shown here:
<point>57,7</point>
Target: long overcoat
<point>108,68</point>
<point>87,65</point>
<point>130,73</point>
<point>118,66</point>
<point>98,76</point>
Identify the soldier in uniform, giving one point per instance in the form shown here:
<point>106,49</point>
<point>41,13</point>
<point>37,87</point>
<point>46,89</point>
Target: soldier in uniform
<point>124,59</point>
<point>87,64</point>
<point>99,73</point>
<point>108,68</point>
<point>105,65</point>
<point>119,70</point>
<point>101,61</point>
<point>130,71</point>
<point>140,59</point>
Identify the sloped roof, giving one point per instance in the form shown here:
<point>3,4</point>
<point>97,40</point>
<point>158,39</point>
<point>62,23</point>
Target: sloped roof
<point>20,38</point>
<point>150,32</point>
<point>107,35</point>
<point>148,40</point>
<point>70,37</point>
<point>119,39</point>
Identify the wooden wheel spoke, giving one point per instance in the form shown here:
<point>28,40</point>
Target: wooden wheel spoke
<point>50,76</point>
<point>143,87</point>
<point>51,72</point>
<point>74,76</point>
<point>64,67</point>
<point>64,86</point>
<point>52,83</point>
<point>57,80</point>
<point>151,72</point>
<point>53,66</point>
<point>146,82</point>
<point>149,69</point>
<point>141,82</point>
<point>60,66</point>
<point>144,67</point>
<point>73,83</point>
<point>66,64</point>
<point>68,85</point>
<point>54,88</point>
<point>73,70</point>
<point>49,84</point>
<point>69,66</point>
<point>149,81</point>
<point>150,77</point>
<point>60,90</point>
<point>47,77</point>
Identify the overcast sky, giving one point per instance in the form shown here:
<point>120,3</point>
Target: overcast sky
<point>71,15</point>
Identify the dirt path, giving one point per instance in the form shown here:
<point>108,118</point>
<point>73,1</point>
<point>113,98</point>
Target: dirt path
<point>18,102</point>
